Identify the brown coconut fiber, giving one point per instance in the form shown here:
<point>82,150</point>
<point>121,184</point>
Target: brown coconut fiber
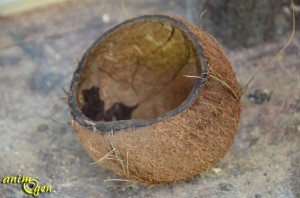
<point>155,100</point>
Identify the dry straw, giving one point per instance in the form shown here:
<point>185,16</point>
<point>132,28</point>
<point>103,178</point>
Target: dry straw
<point>279,53</point>
<point>155,100</point>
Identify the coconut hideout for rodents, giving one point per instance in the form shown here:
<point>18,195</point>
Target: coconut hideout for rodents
<point>155,100</point>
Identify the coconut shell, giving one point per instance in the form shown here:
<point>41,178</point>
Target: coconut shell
<point>155,100</point>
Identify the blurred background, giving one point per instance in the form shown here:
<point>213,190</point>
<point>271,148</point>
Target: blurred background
<point>41,42</point>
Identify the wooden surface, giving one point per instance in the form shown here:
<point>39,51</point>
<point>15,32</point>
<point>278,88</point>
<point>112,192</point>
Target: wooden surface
<point>38,54</point>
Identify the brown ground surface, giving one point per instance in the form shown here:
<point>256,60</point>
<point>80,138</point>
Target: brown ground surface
<point>38,52</point>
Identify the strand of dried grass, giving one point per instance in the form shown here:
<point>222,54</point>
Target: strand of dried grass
<point>115,156</point>
<point>64,99</point>
<point>124,8</point>
<point>243,91</point>
<point>223,83</point>
<point>202,13</point>
<point>279,52</point>
<point>102,159</point>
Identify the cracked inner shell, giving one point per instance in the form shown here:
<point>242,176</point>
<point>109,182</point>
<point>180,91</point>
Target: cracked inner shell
<point>137,72</point>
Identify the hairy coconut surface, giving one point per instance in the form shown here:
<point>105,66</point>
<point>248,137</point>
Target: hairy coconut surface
<point>137,112</point>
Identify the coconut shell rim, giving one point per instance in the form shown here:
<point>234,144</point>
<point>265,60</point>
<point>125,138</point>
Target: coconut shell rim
<point>101,126</point>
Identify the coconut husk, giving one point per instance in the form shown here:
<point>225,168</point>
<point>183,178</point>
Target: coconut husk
<point>155,100</point>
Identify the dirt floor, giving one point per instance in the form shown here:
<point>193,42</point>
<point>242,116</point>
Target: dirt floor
<point>38,54</point>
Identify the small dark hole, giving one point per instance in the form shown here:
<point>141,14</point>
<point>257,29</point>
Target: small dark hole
<point>94,107</point>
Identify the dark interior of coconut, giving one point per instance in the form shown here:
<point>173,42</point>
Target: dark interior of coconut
<point>137,72</point>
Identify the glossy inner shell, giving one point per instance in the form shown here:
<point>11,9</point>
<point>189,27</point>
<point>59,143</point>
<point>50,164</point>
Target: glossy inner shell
<point>137,72</point>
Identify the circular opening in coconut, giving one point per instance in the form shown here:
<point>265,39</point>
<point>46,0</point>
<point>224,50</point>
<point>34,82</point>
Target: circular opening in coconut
<point>136,71</point>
